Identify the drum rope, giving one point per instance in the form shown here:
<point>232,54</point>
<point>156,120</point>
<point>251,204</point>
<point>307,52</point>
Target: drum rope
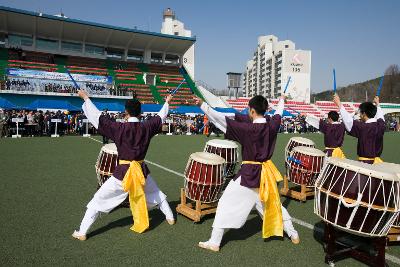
<point>186,179</point>
<point>109,163</point>
<point>197,168</point>
<point>378,224</point>
<point>97,166</point>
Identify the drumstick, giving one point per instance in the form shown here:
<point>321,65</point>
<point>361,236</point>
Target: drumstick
<point>177,88</point>
<point>334,81</point>
<point>378,92</point>
<point>287,84</point>
<point>297,161</point>
<point>72,79</point>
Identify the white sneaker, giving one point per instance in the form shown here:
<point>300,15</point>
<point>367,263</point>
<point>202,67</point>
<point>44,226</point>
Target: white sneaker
<point>171,221</point>
<point>78,236</point>
<point>208,246</point>
<point>295,239</point>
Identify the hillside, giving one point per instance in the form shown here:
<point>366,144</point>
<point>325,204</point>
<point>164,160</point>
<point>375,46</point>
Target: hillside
<point>356,92</point>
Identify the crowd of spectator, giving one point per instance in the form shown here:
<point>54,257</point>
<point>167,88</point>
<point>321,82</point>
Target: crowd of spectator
<point>38,123</point>
<point>296,125</point>
<point>59,88</point>
<point>19,85</point>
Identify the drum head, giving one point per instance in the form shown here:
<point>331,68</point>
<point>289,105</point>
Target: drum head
<point>385,171</point>
<point>302,140</point>
<point>222,143</point>
<point>110,148</point>
<point>207,158</point>
<point>308,151</point>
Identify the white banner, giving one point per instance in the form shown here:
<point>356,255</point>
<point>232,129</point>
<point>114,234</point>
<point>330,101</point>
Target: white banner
<point>37,74</point>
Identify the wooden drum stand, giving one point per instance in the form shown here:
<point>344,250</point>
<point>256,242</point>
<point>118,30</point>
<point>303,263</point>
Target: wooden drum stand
<point>295,194</point>
<point>194,210</point>
<point>394,234</point>
<point>336,250</point>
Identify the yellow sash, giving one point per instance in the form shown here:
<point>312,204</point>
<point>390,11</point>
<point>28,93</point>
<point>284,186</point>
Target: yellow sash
<point>376,159</point>
<point>269,194</point>
<point>133,183</point>
<point>337,152</point>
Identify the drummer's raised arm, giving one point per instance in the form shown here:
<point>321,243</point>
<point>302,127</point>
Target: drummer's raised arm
<point>346,117</point>
<point>90,110</point>
<point>379,112</point>
<point>218,118</point>
<point>281,106</point>
<point>163,113</point>
<point>313,121</point>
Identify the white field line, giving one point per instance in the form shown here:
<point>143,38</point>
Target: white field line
<point>307,225</point>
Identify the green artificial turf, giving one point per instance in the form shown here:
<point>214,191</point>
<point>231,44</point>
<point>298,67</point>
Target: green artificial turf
<point>46,184</point>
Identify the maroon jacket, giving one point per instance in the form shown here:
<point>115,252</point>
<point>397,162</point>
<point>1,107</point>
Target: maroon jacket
<point>258,144</point>
<point>132,140</point>
<point>370,137</point>
<point>333,133</point>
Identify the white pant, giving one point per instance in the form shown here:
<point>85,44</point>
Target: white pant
<point>235,206</point>
<point>111,194</point>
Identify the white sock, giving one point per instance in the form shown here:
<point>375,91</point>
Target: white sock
<point>216,237</point>
<point>165,208</point>
<point>288,225</point>
<point>87,221</point>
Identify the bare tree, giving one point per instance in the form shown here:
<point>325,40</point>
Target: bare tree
<point>392,78</point>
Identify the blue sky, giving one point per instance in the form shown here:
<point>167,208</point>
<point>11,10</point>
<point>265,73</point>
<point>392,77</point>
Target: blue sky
<point>360,38</point>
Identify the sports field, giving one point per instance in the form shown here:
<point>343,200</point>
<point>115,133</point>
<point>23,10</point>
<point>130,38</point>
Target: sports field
<point>46,184</point>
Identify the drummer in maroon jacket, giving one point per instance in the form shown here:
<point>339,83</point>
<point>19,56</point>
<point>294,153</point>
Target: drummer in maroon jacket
<point>369,130</point>
<point>333,131</point>
<point>257,134</point>
<point>132,140</point>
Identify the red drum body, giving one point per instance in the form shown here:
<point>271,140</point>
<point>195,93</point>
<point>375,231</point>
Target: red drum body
<point>304,165</point>
<point>359,198</point>
<point>226,149</point>
<point>204,177</point>
<point>297,141</point>
<point>106,163</point>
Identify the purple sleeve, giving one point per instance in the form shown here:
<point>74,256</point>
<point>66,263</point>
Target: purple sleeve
<point>236,131</point>
<point>275,122</point>
<point>108,127</point>
<point>154,124</point>
<point>242,118</point>
<point>322,126</point>
<point>381,125</point>
<point>356,129</point>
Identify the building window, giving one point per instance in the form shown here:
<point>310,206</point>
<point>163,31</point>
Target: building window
<point>156,58</point>
<point>114,53</point>
<point>17,40</point>
<point>286,46</point>
<point>46,44</point>
<point>171,59</point>
<point>94,50</point>
<point>71,47</point>
<point>135,55</point>
<point>176,33</point>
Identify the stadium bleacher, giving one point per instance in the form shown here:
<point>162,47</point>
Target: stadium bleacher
<point>319,109</point>
<point>128,77</point>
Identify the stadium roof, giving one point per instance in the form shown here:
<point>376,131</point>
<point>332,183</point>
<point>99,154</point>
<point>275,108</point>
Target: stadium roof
<point>62,28</point>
